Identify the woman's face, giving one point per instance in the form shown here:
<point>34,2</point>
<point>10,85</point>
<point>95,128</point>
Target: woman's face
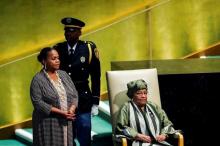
<point>52,61</point>
<point>140,97</point>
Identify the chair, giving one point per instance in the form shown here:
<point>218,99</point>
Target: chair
<point>116,83</point>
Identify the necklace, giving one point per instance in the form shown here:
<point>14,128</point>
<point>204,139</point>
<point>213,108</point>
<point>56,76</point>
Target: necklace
<point>58,86</point>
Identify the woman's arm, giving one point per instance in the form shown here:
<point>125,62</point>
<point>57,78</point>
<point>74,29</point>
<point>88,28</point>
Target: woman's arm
<point>166,126</point>
<point>72,109</point>
<point>122,127</point>
<point>36,98</point>
<point>65,114</point>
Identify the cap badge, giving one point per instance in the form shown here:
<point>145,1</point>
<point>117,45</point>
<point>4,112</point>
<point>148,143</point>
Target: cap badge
<point>82,59</point>
<point>68,20</point>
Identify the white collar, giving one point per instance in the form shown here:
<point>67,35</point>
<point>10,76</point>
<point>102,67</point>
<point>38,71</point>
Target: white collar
<point>69,47</point>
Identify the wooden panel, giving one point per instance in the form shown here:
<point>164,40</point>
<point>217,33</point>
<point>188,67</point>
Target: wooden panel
<point>171,66</point>
<point>213,50</point>
<point>8,131</point>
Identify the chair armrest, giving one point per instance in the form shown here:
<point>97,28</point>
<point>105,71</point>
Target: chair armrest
<point>180,138</point>
<point>124,142</point>
<point>121,139</point>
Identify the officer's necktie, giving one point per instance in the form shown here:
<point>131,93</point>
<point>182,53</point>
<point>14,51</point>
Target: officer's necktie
<point>71,52</point>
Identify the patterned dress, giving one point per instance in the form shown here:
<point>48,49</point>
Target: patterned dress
<point>48,127</point>
<point>63,101</point>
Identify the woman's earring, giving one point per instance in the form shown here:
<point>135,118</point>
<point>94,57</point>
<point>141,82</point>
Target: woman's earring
<point>45,66</point>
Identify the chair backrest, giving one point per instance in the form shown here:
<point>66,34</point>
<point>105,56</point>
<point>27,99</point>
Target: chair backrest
<point>117,87</point>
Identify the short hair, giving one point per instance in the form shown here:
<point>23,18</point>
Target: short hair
<point>44,53</point>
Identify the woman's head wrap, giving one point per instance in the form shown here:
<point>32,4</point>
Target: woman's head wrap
<point>134,86</point>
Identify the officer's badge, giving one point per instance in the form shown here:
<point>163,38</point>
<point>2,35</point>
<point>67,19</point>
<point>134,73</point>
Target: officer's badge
<point>82,59</point>
<point>68,20</point>
<point>96,53</point>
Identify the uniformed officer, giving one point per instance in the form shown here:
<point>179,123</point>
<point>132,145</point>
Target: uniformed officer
<point>80,60</point>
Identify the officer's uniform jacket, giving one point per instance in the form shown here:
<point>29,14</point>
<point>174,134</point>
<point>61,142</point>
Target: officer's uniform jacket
<point>79,66</point>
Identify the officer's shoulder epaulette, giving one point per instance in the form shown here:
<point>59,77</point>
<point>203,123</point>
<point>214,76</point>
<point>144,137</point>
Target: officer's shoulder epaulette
<point>92,50</point>
<point>93,46</point>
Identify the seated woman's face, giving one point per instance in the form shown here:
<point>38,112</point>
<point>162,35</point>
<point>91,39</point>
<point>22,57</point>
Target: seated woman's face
<point>52,61</point>
<point>140,97</point>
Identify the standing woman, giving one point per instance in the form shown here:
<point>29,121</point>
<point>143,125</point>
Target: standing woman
<point>55,99</point>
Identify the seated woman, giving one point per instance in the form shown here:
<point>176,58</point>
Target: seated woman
<point>141,121</point>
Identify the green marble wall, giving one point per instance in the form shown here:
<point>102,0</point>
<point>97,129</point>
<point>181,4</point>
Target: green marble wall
<point>169,31</point>
<point>14,90</point>
<point>27,26</point>
<point>180,27</point>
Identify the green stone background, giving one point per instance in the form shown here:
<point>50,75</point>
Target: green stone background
<point>169,31</point>
<point>172,66</point>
